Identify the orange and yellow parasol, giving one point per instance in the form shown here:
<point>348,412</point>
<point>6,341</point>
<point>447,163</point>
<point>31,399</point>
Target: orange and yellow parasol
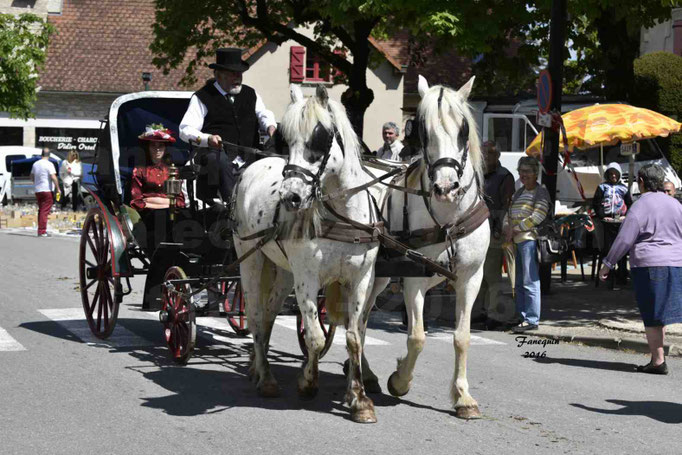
<point>609,124</point>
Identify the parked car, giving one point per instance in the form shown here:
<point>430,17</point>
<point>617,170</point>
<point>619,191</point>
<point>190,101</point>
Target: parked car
<point>21,183</point>
<point>8,154</point>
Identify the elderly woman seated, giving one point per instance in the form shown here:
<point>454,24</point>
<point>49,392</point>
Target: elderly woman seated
<point>148,196</point>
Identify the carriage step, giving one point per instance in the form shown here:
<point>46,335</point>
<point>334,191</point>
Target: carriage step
<point>400,267</point>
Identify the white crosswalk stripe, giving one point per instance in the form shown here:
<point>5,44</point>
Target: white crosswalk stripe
<point>73,320</point>
<point>340,338</point>
<point>475,339</point>
<point>7,343</point>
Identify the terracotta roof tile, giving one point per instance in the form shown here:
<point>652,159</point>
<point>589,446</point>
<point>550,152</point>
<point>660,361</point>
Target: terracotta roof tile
<point>103,46</point>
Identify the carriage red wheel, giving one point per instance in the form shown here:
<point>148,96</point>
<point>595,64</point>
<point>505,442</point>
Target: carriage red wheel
<point>178,317</point>
<point>327,328</point>
<point>100,290</point>
<point>235,307</point>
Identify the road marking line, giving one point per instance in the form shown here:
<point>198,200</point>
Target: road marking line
<point>7,343</point>
<point>475,339</point>
<point>289,322</point>
<point>73,320</point>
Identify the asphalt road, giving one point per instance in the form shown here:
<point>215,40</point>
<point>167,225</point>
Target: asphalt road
<point>63,392</point>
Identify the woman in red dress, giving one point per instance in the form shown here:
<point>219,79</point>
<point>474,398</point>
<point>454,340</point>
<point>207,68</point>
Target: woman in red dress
<point>148,196</point>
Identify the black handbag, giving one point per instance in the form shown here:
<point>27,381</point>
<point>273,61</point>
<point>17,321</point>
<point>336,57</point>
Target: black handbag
<point>552,247</point>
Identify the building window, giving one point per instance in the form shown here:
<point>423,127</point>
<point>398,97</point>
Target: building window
<point>306,66</point>
<point>11,135</point>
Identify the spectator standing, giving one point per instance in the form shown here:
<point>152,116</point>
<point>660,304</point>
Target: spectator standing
<point>611,202</point>
<point>392,145</point>
<point>669,189</point>
<point>529,208</point>
<point>652,233</point>
<point>499,189</point>
<point>70,173</point>
<point>44,178</point>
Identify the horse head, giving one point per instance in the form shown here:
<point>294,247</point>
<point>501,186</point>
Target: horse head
<point>449,138</point>
<point>315,129</point>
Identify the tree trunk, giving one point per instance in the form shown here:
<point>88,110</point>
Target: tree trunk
<point>358,96</point>
<point>620,48</point>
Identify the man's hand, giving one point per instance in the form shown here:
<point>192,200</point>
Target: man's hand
<point>215,141</point>
<point>271,131</point>
<point>604,272</point>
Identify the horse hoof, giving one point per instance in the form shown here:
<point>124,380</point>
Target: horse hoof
<point>372,386</point>
<point>391,388</point>
<point>269,390</point>
<point>364,416</point>
<point>468,412</point>
<point>307,393</point>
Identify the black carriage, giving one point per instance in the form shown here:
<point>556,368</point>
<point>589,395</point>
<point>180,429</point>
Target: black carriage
<point>114,246</point>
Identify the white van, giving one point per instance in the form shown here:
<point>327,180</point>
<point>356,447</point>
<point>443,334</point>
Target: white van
<point>515,129</point>
<point>8,154</point>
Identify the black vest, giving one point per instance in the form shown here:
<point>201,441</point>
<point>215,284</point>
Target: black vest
<point>235,122</point>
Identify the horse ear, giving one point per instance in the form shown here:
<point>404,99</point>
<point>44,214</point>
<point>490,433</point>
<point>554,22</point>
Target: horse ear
<point>422,86</point>
<point>295,92</point>
<point>465,90</point>
<point>322,95</point>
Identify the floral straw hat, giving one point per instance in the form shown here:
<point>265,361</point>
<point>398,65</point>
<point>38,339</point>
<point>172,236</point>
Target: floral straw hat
<point>156,132</point>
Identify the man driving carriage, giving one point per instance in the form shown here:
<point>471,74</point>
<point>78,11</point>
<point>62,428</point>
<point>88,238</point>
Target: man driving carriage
<point>224,110</point>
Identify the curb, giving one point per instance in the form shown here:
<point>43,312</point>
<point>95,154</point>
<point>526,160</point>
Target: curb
<point>610,342</point>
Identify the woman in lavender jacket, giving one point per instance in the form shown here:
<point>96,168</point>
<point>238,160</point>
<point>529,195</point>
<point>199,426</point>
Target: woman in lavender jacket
<point>652,233</point>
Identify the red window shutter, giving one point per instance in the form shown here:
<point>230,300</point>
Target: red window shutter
<point>677,37</point>
<point>297,64</point>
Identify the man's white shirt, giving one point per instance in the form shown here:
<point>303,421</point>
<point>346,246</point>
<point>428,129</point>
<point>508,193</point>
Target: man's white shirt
<point>193,121</point>
<point>391,153</point>
<point>41,171</point>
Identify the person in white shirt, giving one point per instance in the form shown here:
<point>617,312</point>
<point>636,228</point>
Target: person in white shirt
<point>44,178</point>
<point>224,110</point>
<point>392,145</point>
<point>70,173</point>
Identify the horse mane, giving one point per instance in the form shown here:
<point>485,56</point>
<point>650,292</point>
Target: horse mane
<point>452,109</point>
<point>301,118</point>
<point>298,123</point>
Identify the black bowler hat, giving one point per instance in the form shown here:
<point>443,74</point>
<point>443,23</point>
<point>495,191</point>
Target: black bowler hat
<point>229,58</point>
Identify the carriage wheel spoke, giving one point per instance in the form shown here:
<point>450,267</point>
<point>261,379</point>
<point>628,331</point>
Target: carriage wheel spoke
<point>90,284</point>
<point>99,310</point>
<point>93,248</point>
<point>89,263</point>
<point>95,298</point>
<point>107,299</point>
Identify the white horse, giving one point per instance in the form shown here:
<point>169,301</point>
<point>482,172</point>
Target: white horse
<point>324,155</point>
<point>450,174</point>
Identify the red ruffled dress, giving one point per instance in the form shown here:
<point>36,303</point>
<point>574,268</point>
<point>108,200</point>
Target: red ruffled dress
<point>148,182</point>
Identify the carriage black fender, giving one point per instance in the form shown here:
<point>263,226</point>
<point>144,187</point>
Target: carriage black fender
<point>120,265</point>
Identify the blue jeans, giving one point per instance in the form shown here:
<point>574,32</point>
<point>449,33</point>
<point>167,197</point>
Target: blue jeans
<point>527,282</point>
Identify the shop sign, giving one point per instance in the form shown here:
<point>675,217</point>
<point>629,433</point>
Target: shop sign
<point>67,139</point>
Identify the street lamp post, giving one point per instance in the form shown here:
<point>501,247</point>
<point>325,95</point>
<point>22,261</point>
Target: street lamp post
<point>146,79</point>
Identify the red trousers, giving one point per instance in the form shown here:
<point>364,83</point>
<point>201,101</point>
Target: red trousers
<point>45,202</point>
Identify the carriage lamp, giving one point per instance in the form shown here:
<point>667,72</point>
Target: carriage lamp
<point>173,187</point>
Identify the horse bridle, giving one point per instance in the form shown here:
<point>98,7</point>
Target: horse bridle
<point>447,161</point>
<point>293,170</point>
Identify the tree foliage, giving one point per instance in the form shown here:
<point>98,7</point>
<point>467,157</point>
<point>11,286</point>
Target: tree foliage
<point>183,27</point>
<point>23,42</point>
<point>658,86</point>
<point>603,35</point>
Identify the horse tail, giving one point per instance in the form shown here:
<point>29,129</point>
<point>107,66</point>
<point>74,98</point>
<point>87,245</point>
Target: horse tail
<point>334,303</point>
